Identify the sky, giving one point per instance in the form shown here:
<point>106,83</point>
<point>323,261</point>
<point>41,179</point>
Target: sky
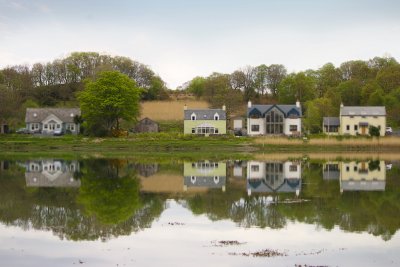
<point>181,39</point>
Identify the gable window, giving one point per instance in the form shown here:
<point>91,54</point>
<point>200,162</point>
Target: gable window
<point>193,117</point>
<point>216,117</point>
<point>255,128</point>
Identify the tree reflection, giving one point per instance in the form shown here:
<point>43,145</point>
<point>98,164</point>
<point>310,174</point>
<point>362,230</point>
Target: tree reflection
<point>109,193</point>
<point>107,205</point>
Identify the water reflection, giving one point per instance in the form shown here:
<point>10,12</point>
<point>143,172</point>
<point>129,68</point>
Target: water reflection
<point>273,177</point>
<point>52,173</point>
<point>206,174</point>
<point>104,198</point>
<point>357,175</point>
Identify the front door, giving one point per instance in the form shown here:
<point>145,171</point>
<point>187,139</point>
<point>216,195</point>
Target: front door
<point>363,130</point>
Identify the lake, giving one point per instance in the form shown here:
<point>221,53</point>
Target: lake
<point>191,212</point>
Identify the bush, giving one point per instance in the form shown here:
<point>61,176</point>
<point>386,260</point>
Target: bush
<point>374,131</point>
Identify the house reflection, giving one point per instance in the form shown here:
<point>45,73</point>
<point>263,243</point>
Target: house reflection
<point>363,176</point>
<point>52,173</point>
<point>273,177</point>
<point>205,174</point>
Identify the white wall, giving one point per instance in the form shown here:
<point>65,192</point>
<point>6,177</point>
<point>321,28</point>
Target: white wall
<point>291,174</point>
<point>260,174</point>
<point>288,122</point>
<point>260,122</point>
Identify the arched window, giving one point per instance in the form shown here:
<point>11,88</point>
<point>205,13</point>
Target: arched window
<point>216,117</point>
<point>193,117</point>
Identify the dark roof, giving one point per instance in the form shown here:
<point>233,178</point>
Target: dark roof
<point>287,185</point>
<point>286,109</point>
<point>205,181</point>
<point>147,121</point>
<point>363,111</point>
<point>205,114</point>
<point>64,114</point>
<point>332,121</point>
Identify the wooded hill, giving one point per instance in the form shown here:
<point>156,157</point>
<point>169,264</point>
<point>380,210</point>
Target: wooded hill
<point>373,82</point>
<point>56,83</point>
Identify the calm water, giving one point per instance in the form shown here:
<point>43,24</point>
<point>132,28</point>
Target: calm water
<point>120,212</point>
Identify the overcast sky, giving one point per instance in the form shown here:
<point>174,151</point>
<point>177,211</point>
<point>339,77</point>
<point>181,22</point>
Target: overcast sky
<point>181,39</point>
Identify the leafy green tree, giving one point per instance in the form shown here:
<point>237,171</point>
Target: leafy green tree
<point>316,110</point>
<point>377,98</point>
<point>196,86</point>
<point>389,78</point>
<point>327,77</point>
<point>367,90</point>
<point>275,74</point>
<point>297,87</point>
<point>107,100</point>
<point>350,92</point>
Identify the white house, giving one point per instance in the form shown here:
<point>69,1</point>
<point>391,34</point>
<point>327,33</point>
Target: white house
<point>273,176</point>
<point>274,119</point>
<point>50,120</point>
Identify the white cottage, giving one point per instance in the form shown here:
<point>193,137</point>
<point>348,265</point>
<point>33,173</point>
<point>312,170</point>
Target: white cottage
<point>51,120</point>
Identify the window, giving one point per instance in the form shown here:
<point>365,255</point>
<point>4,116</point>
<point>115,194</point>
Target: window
<point>193,117</point>
<point>293,168</point>
<point>274,121</point>
<point>351,117</point>
<point>255,168</point>
<point>216,130</point>
<point>72,127</point>
<point>45,126</point>
<point>348,127</point>
<point>347,168</point>
<point>293,128</point>
<point>58,126</point>
<point>255,128</point>
<point>216,117</point>
<point>355,168</point>
<point>193,130</point>
<point>355,127</point>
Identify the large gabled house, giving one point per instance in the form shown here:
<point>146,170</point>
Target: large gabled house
<point>356,120</point>
<point>274,119</point>
<point>204,121</point>
<point>51,120</point>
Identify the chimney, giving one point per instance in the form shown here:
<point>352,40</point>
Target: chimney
<point>298,103</point>
<point>223,107</point>
<point>341,104</point>
<point>185,107</point>
<point>249,104</point>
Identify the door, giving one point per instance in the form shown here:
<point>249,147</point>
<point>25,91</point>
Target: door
<point>363,130</point>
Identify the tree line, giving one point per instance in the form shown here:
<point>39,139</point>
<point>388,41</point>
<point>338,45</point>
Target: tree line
<point>57,83</point>
<point>373,82</point>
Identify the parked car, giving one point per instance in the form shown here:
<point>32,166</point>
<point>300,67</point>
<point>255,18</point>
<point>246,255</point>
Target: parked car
<point>22,131</point>
<point>389,130</point>
<point>58,132</point>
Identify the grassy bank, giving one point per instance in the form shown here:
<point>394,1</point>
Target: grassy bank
<point>178,143</point>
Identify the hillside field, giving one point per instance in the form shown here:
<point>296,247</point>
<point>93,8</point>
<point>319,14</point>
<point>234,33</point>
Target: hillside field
<point>168,110</point>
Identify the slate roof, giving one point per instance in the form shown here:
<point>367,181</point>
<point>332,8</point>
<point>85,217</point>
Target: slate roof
<point>284,108</point>
<point>205,181</point>
<point>363,185</point>
<point>363,111</point>
<point>64,114</point>
<point>260,185</point>
<point>332,121</point>
<point>204,114</point>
